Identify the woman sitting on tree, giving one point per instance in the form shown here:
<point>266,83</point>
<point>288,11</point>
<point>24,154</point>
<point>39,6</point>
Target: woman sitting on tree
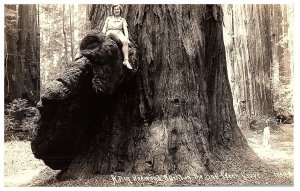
<point>116,25</point>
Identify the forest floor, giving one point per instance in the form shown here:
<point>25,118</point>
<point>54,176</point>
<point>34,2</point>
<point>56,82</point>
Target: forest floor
<point>22,169</point>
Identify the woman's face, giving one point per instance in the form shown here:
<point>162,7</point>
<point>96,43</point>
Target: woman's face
<point>117,11</point>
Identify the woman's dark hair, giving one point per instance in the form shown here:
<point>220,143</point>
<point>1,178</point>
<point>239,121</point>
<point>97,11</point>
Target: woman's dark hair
<point>116,5</point>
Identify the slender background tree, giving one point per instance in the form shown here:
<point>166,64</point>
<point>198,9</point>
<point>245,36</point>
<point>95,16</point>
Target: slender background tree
<point>282,31</point>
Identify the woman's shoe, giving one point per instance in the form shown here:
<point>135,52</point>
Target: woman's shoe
<point>127,64</point>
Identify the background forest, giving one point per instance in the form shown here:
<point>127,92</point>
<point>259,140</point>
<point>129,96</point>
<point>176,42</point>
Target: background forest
<point>42,41</point>
<point>61,29</point>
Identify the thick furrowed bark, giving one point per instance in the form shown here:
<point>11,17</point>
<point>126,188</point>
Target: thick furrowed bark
<point>21,49</point>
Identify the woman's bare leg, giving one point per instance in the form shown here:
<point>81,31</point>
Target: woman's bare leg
<point>125,52</point>
<point>125,48</point>
<point>124,41</point>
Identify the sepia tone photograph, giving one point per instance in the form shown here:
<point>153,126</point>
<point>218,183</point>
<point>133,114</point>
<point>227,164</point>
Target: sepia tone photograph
<point>148,95</point>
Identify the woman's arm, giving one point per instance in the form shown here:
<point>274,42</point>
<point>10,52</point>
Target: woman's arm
<point>105,26</point>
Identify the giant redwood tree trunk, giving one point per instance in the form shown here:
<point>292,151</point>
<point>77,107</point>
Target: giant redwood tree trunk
<point>173,114</point>
<point>21,60</point>
<point>249,58</point>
